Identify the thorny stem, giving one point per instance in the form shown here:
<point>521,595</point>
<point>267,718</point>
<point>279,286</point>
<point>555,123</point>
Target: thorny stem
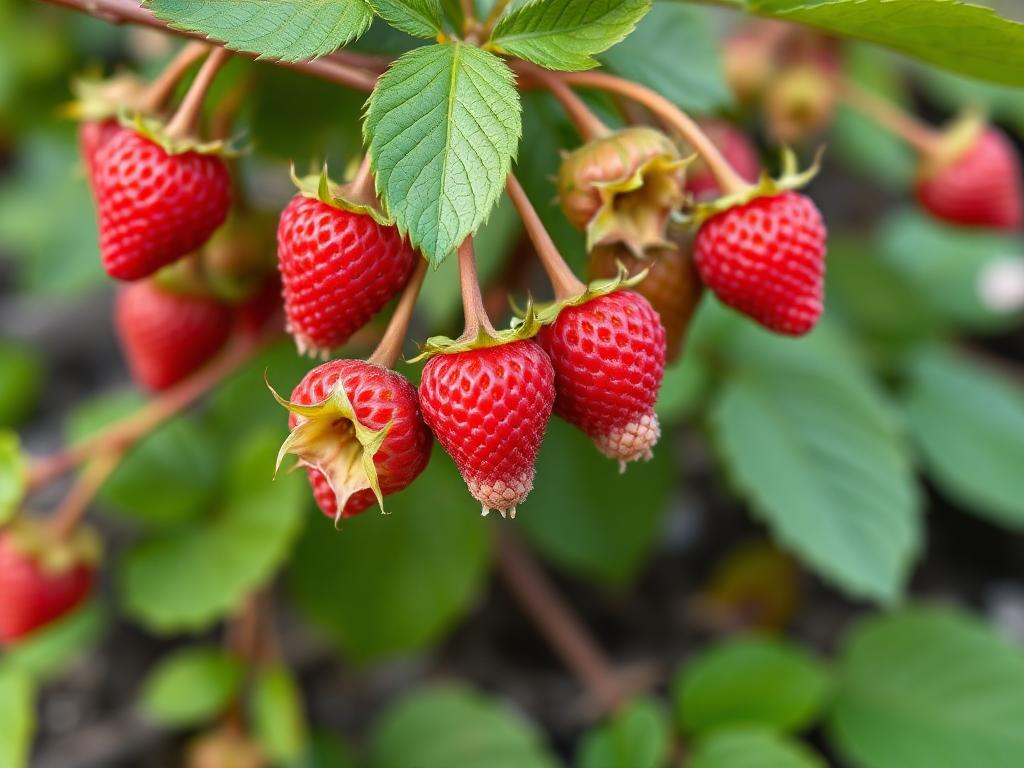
<point>921,137</point>
<point>728,180</point>
<point>588,125</point>
<point>565,283</point>
<point>76,503</point>
<point>567,635</point>
<point>390,347</point>
<point>121,435</point>
<point>493,18</point>
<point>186,119</point>
<point>159,92</point>
<point>472,301</point>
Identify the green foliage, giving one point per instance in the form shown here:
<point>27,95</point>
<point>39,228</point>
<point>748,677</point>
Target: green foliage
<point>13,475</point>
<point>752,749</point>
<point>17,717</point>
<point>420,18</point>
<point>21,378</point>
<point>969,424</point>
<point>808,441</point>
<point>189,577</point>
<point>683,390</point>
<point>757,682</point>
<point>674,52</point>
<point>586,516</point>
<point>387,584</point>
<point>287,30</point>
<point>448,726</point>
<point>567,34</point>
<point>636,737</point>
<point>191,686</point>
<point>927,688</point>
<point>51,649</point>
<point>277,715</point>
<point>442,127</point>
<point>963,37</point>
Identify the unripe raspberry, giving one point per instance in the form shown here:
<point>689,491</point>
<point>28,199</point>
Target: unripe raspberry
<point>800,102</point>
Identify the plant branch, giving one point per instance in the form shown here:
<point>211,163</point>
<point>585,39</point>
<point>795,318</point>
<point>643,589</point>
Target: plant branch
<point>565,283</point>
<point>76,503</point>
<point>472,301</point>
<point>186,120</point>
<point>567,635</point>
<point>892,118</point>
<point>159,92</point>
<point>588,125</point>
<point>497,10</point>
<point>390,347</point>
<point>362,188</point>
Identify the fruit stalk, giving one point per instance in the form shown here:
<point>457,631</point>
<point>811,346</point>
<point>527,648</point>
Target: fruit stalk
<point>159,92</point>
<point>728,180</point>
<point>565,283</point>
<point>390,347</point>
<point>76,503</point>
<point>921,137</point>
<point>473,310</point>
<point>493,18</point>
<point>186,119</point>
<point>588,125</point>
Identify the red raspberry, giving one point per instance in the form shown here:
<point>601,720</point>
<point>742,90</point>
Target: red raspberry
<point>609,357</point>
<point>34,591</point>
<point>489,408</point>
<point>380,399</point>
<point>92,136</point>
<point>766,258</point>
<point>738,151</point>
<point>155,207</point>
<point>167,336</point>
<point>982,187</point>
<point>339,269</point>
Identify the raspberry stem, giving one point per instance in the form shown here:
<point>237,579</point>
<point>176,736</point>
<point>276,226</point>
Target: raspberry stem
<point>472,301</point>
<point>186,119</point>
<point>588,125</point>
<point>390,347</point>
<point>362,189</point>
<point>565,283</point>
<point>76,503</point>
<point>923,138</point>
<point>730,182</point>
<point>497,11</point>
<point>159,92</point>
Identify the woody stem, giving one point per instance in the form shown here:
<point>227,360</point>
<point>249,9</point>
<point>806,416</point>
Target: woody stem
<point>159,92</point>
<point>186,119</point>
<point>390,347</point>
<point>917,134</point>
<point>472,300</point>
<point>565,283</point>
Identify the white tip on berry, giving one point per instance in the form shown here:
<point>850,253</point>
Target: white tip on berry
<point>630,442</point>
<point>502,496</point>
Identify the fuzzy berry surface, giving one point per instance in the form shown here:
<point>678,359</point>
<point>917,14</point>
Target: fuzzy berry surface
<point>982,188</point>
<point>489,409</point>
<point>33,596</point>
<point>737,149</point>
<point>609,358</point>
<point>155,207</point>
<point>167,336</point>
<point>379,397</point>
<point>338,268</point>
<point>766,259</point>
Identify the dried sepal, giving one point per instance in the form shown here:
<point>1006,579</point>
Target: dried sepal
<point>547,313</point>
<point>100,99</point>
<point>155,130</point>
<point>522,328</point>
<point>55,555</point>
<point>321,187</point>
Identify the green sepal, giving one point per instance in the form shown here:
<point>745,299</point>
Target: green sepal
<point>320,187</point>
<point>791,178</point>
<point>98,99</point>
<point>155,130</point>
<point>548,312</point>
<point>13,475</point>
<point>54,555</point>
<point>347,465</point>
<point>956,139</point>
<point>522,329</point>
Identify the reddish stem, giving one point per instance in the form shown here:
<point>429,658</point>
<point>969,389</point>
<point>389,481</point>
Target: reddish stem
<point>159,92</point>
<point>390,347</point>
<point>588,125</point>
<point>565,283</point>
<point>185,122</point>
<point>362,188</point>
<point>472,300</point>
<point>77,501</point>
<point>923,138</point>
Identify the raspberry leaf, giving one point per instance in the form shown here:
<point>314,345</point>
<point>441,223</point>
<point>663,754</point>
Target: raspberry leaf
<point>13,475</point>
<point>277,716</point>
<point>752,748</point>
<point>442,128</point>
<point>419,18</point>
<point>636,737</point>
<point>191,686</point>
<point>287,30</point>
<point>566,34</point>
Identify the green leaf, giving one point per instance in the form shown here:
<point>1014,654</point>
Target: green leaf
<point>963,37</point>
<point>566,34</point>
<point>21,378</point>
<point>636,737</point>
<point>929,688</point>
<point>577,512</point>
<point>191,686</point>
<point>675,51</point>
<point>397,581</point>
<point>420,18</point>
<point>751,681</point>
<point>287,30</point>
<point>17,717</point>
<point>809,443</point>
<point>953,268</point>
<point>752,749</point>
<point>171,476</point>
<point>683,390</point>
<point>185,580</point>
<point>969,425</point>
<point>447,726</point>
<point>13,475</point>
<point>442,127</point>
<point>51,649</point>
<point>280,724</point>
